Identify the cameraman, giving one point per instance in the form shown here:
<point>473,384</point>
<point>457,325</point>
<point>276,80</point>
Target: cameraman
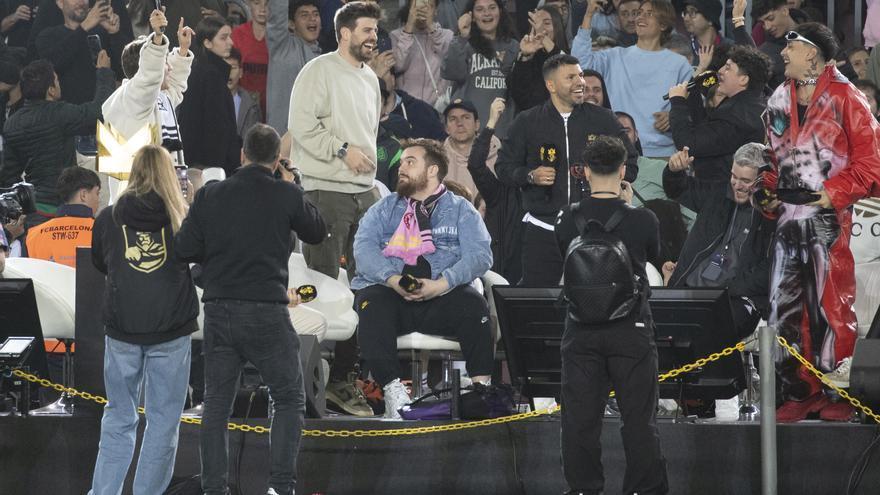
<point>39,138</point>
<point>244,253</point>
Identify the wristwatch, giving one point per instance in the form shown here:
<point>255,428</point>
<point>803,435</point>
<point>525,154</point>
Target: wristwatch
<point>530,177</point>
<point>342,151</point>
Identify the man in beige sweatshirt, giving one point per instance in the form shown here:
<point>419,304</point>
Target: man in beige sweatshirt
<point>334,120</point>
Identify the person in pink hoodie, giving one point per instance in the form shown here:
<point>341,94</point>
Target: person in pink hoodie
<point>419,47</point>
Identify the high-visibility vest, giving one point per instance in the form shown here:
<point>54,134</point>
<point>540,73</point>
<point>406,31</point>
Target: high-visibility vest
<point>57,239</point>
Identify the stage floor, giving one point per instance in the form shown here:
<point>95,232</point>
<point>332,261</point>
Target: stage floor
<point>56,455</point>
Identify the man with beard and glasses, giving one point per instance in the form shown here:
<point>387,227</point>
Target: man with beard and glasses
<point>417,252</point>
<point>562,127</point>
<point>826,156</point>
<point>334,121</point>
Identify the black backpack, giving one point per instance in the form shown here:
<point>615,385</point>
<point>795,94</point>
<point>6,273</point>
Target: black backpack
<point>600,285</point>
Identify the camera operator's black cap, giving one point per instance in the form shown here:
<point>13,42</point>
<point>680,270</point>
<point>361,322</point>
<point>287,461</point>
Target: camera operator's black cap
<point>711,10</point>
<point>462,104</point>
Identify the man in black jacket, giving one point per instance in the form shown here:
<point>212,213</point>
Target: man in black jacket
<point>712,137</point>
<point>561,127</point>
<point>239,230</point>
<point>66,44</point>
<point>729,244</point>
<point>503,203</point>
<point>40,136</point>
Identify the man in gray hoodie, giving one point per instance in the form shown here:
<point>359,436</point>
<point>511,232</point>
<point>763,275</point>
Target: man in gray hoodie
<point>288,53</point>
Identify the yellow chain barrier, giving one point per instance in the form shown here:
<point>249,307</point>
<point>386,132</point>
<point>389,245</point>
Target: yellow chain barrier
<point>419,430</point>
<point>856,403</point>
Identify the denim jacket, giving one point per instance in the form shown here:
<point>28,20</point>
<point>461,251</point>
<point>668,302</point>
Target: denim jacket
<point>463,251</point>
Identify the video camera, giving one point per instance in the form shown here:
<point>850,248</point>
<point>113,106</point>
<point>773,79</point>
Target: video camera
<point>16,201</point>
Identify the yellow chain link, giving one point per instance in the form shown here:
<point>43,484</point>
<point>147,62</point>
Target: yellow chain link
<point>821,376</point>
<point>420,430</point>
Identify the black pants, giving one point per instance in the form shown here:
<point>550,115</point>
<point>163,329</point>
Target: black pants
<point>262,333</point>
<point>384,315</point>
<point>541,259</point>
<point>594,361</point>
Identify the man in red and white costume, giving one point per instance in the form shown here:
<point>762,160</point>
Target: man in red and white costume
<point>825,148</point>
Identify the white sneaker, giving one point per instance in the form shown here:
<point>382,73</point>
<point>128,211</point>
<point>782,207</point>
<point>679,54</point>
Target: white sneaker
<point>840,376</point>
<point>395,398</point>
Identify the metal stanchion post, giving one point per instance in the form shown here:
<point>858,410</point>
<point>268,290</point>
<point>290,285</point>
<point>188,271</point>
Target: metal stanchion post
<point>768,411</point>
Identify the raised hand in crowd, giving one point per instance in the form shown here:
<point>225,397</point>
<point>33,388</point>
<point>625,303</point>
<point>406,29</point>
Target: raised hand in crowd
<point>22,13</point>
<point>495,110</point>
<point>417,18</point>
<point>592,7</point>
<point>529,45</point>
<point>464,25</point>
<point>184,38</point>
<point>111,23</point>
<point>681,160</point>
<point>357,161</point>
<point>99,13</point>
<point>661,119</point>
<point>103,61</point>
<point>157,24</point>
<point>739,9</point>
<point>704,54</point>
<point>546,40</point>
<point>382,63</point>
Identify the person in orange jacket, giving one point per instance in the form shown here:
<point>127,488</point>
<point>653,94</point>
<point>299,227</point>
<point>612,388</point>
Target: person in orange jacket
<point>57,239</point>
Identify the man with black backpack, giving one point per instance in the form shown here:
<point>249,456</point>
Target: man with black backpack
<point>608,342</point>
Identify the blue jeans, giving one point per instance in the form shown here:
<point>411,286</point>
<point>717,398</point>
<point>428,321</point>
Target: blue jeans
<point>162,372</point>
<point>262,333</point>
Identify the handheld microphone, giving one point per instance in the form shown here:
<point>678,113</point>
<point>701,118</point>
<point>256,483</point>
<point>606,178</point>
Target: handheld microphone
<point>159,7</point>
<point>704,80</point>
<point>548,154</point>
<point>307,293</point>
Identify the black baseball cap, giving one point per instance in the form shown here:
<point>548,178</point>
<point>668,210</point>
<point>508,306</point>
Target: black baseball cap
<point>462,104</point>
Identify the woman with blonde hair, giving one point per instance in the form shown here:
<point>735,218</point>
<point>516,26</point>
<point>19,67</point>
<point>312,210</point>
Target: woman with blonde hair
<point>150,310</point>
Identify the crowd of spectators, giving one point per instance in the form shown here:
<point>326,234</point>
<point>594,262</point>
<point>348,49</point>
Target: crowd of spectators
<point>509,92</point>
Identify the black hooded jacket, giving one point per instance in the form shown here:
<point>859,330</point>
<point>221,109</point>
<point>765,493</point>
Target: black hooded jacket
<point>149,296</point>
<point>714,136</point>
<point>543,125</point>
